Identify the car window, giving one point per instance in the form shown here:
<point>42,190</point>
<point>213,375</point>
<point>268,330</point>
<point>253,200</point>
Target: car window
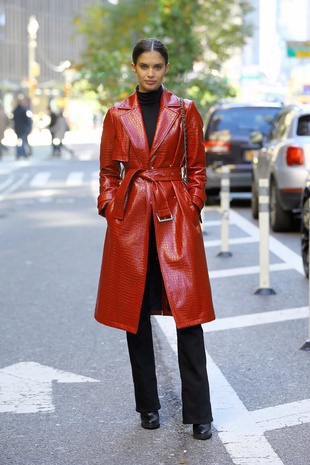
<point>303,125</point>
<point>282,125</point>
<point>243,120</point>
<point>279,127</point>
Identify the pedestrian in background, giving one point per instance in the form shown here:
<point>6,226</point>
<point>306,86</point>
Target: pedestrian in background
<point>53,118</point>
<point>3,125</point>
<point>30,125</point>
<point>22,118</point>
<point>154,259</point>
<point>58,131</point>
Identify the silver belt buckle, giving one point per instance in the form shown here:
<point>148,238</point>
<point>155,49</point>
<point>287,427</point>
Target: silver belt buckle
<point>165,218</point>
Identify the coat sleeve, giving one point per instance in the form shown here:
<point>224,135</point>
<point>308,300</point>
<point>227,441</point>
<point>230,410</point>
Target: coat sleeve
<point>196,158</point>
<point>110,170</point>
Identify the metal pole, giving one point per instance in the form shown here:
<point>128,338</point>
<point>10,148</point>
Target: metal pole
<point>31,59</point>
<point>306,344</point>
<point>32,29</point>
<point>263,218</point>
<point>225,204</point>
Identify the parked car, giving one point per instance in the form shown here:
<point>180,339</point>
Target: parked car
<point>284,160</point>
<point>305,216</point>
<point>227,141</point>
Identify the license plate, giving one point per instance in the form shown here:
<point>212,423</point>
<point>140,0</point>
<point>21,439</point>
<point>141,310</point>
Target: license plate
<point>250,154</point>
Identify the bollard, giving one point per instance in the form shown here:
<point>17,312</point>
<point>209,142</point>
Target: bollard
<point>225,201</point>
<point>263,219</point>
<point>306,344</point>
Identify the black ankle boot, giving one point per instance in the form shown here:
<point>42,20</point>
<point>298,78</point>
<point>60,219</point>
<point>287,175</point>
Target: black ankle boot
<point>150,420</point>
<point>202,431</point>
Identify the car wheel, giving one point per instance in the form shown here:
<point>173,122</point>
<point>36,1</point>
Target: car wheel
<point>280,220</point>
<point>254,201</point>
<point>305,236</point>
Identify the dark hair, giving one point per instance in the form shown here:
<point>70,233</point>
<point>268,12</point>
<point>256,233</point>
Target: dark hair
<point>149,45</point>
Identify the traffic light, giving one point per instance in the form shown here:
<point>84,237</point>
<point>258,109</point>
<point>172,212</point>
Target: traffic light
<point>33,84</point>
<point>67,89</point>
<point>35,69</point>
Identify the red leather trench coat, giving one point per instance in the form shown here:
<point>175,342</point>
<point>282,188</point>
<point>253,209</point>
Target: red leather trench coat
<point>152,186</point>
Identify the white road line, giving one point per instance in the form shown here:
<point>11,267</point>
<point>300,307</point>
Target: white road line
<point>65,200</point>
<point>275,246</point>
<point>27,387</point>
<point>236,240</point>
<point>242,437</point>
<point>40,179</point>
<point>242,431</point>
<point>247,270</point>
<point>210,223</point>
<point>86,155</point>
<point>13,187</point>
<point>75,178</point>
<point>281,416</point>
<point>95,184</point>
<point>244,321</point>
<point>6,183</point>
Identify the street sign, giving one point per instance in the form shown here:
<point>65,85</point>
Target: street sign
<point>297,49</point>
<point>27,387</point>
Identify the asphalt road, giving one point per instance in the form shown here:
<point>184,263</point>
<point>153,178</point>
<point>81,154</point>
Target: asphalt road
<point>66,392</point>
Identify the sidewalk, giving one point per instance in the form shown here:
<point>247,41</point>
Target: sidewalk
<point>40,142</point>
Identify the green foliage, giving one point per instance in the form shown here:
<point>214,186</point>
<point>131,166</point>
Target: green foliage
<point>226,28</point>
<point>204,31</point>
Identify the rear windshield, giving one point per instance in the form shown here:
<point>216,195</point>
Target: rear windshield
<point>303,127</point>
<point>242,120</point>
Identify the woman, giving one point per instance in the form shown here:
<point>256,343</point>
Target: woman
<point>154,259</point>
<point>58,131</point>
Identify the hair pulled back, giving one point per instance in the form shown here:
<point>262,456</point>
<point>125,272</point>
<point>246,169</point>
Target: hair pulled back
<point>149,45</point>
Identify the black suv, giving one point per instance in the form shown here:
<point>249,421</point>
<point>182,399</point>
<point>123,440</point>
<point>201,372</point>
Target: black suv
<point>228,129</point>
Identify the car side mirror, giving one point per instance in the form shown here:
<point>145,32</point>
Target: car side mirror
<point>257,138</point>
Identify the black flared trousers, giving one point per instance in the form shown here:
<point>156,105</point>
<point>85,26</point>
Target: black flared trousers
<point>196,406</point>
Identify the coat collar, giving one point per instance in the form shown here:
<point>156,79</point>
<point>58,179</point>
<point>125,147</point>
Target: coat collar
<point>131,118</point>
<point>168,99</point>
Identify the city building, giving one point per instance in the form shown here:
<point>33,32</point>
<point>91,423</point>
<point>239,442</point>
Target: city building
<point>266,69</point>
<point>38,42</point>
<point>37,45</point>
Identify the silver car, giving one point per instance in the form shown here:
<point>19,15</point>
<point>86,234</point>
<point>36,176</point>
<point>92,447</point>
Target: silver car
<point>284,159</point>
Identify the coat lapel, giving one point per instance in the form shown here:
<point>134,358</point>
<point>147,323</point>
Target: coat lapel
<point>132,121</point>
<point>166,119</point>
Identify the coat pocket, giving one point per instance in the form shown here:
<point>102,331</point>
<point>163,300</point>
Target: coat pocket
<point>109,210</point>
<point>189,208</point>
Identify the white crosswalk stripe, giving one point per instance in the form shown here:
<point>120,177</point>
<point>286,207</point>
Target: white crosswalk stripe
<point>40,179</point>
<point>44,180</point>
<point>12,186</point>
<point>75,178</point>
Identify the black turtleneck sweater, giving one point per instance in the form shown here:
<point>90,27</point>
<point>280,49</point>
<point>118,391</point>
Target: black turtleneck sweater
<point>149,102</point>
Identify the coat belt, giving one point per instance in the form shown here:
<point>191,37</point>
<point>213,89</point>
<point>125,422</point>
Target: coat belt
<point>156,176</point>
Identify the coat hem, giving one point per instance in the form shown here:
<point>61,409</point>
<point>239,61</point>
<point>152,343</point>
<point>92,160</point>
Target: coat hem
<point>200,321</point>
<point>112,324</point>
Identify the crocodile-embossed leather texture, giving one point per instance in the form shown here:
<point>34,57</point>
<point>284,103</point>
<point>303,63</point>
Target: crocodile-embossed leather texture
<point>152,187</point>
